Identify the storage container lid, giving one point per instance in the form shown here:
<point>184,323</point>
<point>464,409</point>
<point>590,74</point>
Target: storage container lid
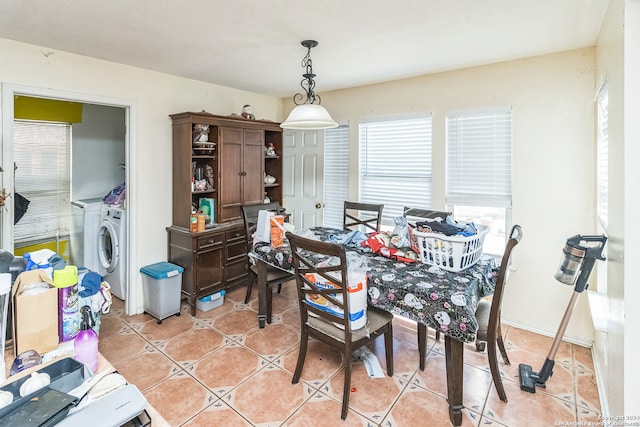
<point>162,270</point>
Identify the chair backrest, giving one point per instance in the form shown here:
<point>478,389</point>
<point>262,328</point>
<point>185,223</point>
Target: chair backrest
<point>368,215</point>
<point>250,216</point>
<point>496,303</point>
<point>416,214</point>
<point>317,263</point>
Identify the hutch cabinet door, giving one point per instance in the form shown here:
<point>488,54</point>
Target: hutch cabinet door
<point>230,192</point>
<point>242,157</point>
<point>209,271</point>
<point>253,185</point>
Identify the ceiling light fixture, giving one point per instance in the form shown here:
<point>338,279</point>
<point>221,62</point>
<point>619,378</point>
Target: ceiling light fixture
<point>308,114</point>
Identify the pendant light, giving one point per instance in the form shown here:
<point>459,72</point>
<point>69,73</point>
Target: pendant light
<point>308,114</point>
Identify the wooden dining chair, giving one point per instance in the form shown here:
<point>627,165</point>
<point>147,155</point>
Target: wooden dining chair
<point>275,276</point>
<point>413,215</point>
<point>488,316</point>
<point>368,215</point>
<point>332,328</point>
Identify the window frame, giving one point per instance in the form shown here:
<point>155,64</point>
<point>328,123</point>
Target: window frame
<point>336,175</point>
<point>39,224</point>
<point>490,134</point>
<point>393,176</point>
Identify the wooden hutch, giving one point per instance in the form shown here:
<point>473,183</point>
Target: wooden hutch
<point>237,161</point>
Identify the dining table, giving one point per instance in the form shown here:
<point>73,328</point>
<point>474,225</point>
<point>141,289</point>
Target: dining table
<point>443,300</point>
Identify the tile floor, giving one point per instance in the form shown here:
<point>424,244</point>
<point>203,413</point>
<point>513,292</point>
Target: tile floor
<point>220,369</point>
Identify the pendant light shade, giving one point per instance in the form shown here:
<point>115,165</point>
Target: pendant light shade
<point>308,114</point>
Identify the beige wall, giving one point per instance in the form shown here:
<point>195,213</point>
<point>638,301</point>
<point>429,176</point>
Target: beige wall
<point>553,162</point>
<point>155,95</point>
<point>552,130</point>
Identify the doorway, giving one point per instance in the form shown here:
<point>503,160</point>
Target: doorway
<point>303,168</point>
<point>94,106</point>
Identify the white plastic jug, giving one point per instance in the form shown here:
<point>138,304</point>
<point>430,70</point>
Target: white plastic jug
<point>357,299</point>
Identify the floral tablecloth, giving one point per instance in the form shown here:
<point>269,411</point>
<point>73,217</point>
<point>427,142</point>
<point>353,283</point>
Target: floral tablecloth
<point>443,300</point>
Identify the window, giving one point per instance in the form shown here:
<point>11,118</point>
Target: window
<point>395,164</point>
<point>42,157</point>
<point>479,171</point>
<point>603,156</point>
<point>336,174</point>
<point>602,179</point>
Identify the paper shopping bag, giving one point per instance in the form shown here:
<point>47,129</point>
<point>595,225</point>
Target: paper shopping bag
<point>263,228</point>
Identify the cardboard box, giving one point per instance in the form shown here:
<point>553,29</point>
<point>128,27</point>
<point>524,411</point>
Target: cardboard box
<point>35,317</point>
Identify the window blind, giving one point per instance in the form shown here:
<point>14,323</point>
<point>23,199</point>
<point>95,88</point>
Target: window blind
<point>42,157</point>
<point>395,164</point>
<point>479,158</point>
<point>603,156</point>
<point>336,174</point>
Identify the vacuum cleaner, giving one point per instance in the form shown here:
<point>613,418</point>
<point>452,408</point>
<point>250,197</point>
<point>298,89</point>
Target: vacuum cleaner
<point>578,258</point>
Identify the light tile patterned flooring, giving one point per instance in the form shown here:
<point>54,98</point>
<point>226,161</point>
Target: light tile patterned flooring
<point>220,369</point>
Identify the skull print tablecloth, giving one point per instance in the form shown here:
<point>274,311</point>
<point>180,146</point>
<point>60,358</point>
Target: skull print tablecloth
<point>443,300</point>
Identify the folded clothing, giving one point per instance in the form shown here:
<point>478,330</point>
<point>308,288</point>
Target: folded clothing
<point>449,227</point>
<point>89,283</point>
<point>437,227</point>
<point>356,237</point>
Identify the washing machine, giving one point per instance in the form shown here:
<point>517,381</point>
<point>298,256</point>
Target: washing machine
<point>83,245</point>
<point>112,249</point>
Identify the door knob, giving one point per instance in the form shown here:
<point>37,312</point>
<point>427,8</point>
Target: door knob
<point>318,205</point>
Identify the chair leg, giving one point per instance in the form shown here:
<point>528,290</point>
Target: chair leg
<point>480,345</point>
<point>503,350</point>
<point>493,365</point>
<point>269,304</point>
<point>247,297</point>
<point>388,349</point>
<point>347,387</point>
<point>302,352</point>
<point>422,344</point>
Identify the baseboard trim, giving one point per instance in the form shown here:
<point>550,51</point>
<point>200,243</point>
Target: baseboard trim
<point>570,339</point>
<point>602,392</point>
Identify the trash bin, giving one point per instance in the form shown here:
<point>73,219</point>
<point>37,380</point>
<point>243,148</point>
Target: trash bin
<point>162,283</point>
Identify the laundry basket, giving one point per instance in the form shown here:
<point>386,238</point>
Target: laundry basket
<point>451,253</point>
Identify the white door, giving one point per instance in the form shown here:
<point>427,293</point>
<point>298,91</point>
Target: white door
<point>303,168</point>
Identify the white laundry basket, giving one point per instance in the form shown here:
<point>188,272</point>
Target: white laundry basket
<point>451,253</point>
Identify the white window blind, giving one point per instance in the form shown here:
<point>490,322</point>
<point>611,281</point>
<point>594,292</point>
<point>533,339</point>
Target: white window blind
<point>395,164</point>
<point>336,174</point>
<point>42,157</point>
<point>479,158</point>
<point>603,156</point>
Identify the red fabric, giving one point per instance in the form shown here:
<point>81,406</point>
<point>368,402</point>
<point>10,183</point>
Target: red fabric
<point>376,243</point>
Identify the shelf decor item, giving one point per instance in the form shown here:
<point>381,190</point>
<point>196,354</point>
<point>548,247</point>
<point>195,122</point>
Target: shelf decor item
<point>200,133</point>
<point>247,112</point>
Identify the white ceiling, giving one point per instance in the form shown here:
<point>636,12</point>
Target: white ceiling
<point>254,45</point>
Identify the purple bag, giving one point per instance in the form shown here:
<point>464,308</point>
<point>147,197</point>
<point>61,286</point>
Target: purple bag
<point>115,196</point>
